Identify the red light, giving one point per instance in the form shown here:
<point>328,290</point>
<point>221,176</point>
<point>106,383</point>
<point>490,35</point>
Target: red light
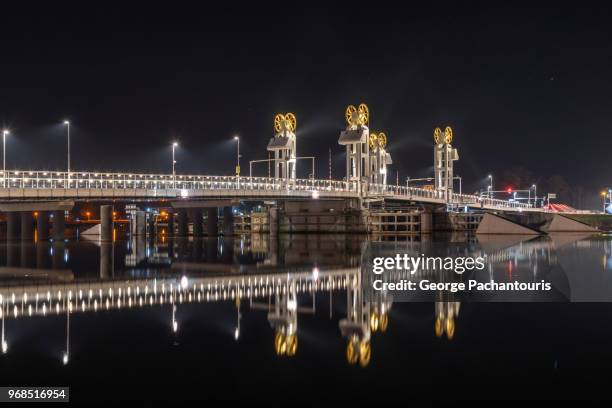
<point>509,190</point>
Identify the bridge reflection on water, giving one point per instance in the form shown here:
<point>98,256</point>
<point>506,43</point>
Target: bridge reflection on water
<point>285,278</point>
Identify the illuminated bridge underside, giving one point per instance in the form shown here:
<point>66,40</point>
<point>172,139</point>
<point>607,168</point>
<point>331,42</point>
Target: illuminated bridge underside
<point>33,186</point>
<point>55,298</point>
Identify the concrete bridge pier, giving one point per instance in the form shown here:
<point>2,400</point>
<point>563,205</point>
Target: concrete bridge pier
<point>196,218</point>
<point>106,259</point>
<point>150,224</point>
<point>228,249</point>
<point>273,220</point>
<point>211,249</point>
<point>212,222</point>
<point>106,223</point>
<point>182,223</point>
<point>12,225</point>
<point>12,254</point>
<point>57,259</point>
<point>228,221</point>
<point>28,254</point>
<point>27,225</point>
<point>170,224</point>
<point>42,226</point>
<point>138,224</point>
<point>426,222</point>
<point>42,254</point>
<point>59,225</point>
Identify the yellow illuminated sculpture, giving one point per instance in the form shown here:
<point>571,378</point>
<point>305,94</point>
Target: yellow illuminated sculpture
<point>286,122</point>
<point>359,116</point>
<point>377,140</point>
<point>448,135</point>
<point>373,141</point>
<point>437,135</point>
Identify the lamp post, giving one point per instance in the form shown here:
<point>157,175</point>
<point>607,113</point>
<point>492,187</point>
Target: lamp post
<point>174,145</point>
<point>67,123</point>
<point>5,132</point>
<point>535,195</point>
<point>490,186</point>
<point>603,196</point>
<point>237,139</point>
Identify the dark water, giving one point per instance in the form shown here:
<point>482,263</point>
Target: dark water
<point>315,340</point>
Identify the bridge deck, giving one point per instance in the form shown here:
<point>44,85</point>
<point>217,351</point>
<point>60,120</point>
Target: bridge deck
<point>42,185</point>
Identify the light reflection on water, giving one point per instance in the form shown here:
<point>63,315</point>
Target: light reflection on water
<point>291,279</point>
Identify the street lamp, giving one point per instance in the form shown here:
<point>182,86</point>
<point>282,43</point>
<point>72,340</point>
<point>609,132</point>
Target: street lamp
<point>5,132</point>
<point>67,123</point>
<point>535,193</point>
<point>490,186</point>
<point>603,196</point>
<point>237,139</point>
<point>174,145</point>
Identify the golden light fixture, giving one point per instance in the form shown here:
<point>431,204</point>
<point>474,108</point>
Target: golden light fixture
<point>377,140</point>
<point>357,116</point>
<point>448,135</point>
<point>284,122</point>
<point>382,140</point>
<point>437,135</point>
<point>373,141</point>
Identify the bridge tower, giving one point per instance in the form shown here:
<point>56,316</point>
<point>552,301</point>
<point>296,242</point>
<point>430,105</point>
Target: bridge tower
<point>379,158</point>
<point>355,138</point>
<point>283,145</point>
<point>444,157</point>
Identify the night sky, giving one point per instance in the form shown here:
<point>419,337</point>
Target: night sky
<point>521,87</point>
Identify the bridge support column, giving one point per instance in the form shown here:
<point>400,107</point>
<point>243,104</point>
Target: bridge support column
<point>196,216</point>
<point>42,254</point>
<point>212,224</point>
<point>228,221</point>
<point>57,259</point>
<point>182,223</point>
<point>27,225</point>
<point>42,225</point>
<point>426,222</point>
<point>106,259</point>
<point>170,223</point>
<point>150,225</point>
<point>12,225</point>
<point>139,225</point>
<point>273,220</point>
<point>106,223</point>
<point>59,225</point>
<point>28,253</point>
<point>12,254</point>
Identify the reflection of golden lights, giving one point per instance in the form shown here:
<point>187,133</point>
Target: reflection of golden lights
<point>358,351</point>
<point>438,327</point>
<point>285,345</point>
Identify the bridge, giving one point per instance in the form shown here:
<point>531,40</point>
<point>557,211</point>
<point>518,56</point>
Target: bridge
<point>46,185</point>
<point>364,193</point>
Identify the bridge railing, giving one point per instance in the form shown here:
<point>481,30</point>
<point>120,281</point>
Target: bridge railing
<point>105,180</point>
<point>438,195</point>
<point>405,191</point>
<point>470,199</point>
